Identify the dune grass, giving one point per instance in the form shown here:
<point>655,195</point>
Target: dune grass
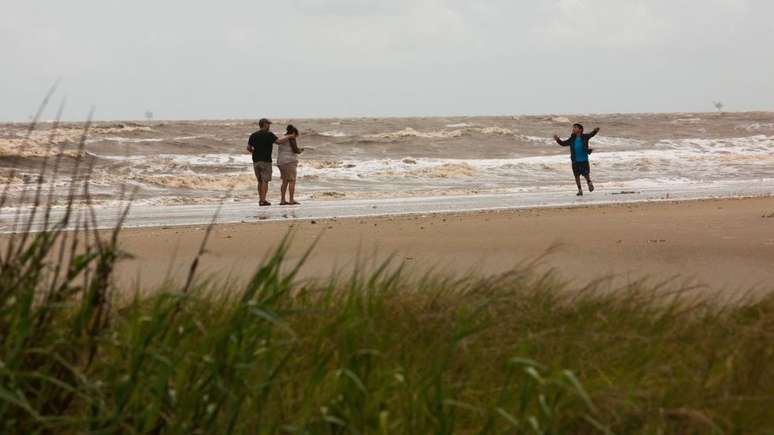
<point>388,351</point>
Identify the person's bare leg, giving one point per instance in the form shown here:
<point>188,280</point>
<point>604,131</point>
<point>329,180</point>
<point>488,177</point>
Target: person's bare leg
<point>263,188</point>
<point>292,191</point>
<point>283,190</point>
<point>589,183</point>
<point>577,181</point>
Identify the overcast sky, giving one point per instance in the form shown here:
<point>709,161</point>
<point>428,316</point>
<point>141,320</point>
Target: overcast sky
<point>190,59</point>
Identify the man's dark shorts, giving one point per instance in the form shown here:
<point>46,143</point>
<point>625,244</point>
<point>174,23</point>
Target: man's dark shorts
<point>262,171</point>
<point>580,168</point>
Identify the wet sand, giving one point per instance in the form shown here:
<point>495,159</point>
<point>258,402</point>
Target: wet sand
<point>724,244</point>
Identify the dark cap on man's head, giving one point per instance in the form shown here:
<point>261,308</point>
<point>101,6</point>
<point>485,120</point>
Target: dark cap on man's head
<point>263,122</point>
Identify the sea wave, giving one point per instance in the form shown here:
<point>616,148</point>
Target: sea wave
<point>21,148</point>
<point>759,144</point>
<point>198,181</point>
<point>686,121</point>
<point>496,130</point>
<point>197,161</point>
<point>326,164</point>
<point>756,126</point>
<point>120,128</point>
<point>332,133</point>
<point>440,134</point>
<point>443,170</point>
<point>410,132</point>
<point>60,136</point>
<point>121,139</point>
<point>696,157</point>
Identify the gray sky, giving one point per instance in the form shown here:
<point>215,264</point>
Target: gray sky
<point>317,58</point>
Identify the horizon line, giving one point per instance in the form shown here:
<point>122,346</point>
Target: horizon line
<point>303,117</point>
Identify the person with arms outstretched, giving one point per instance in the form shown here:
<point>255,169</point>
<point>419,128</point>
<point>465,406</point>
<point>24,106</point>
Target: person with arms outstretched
<point>261,145</point>
<point>579,154</point>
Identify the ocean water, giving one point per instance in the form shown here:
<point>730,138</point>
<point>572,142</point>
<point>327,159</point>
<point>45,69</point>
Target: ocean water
<point>201,162</point>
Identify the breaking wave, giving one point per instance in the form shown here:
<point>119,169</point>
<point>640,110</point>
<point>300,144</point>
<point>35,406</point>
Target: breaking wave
<point>410,132</point>
<point>333,133</point>
<point>448,133</point>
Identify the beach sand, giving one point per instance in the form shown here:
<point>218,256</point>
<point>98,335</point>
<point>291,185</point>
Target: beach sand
<point>723,244</point>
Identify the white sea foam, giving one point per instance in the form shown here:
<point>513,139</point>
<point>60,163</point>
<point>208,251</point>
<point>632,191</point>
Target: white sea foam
<point>399,161</point>
<point>333,133</point>
<point>452,131</point>
<point>119,128</point>
<point>620,163</point>
<point>538,139</point>
<point>496,130</point>
<point>760,144</point>
<point>127,139</point>
<point>198,136</point>
<point>207,159</point>
<point>688,121</point>
<point>598,141</point>
<point>690,158</point>
<point>410,132</point>
<point>756,126</point>
<point>121,139</point>
<point>616,142</point>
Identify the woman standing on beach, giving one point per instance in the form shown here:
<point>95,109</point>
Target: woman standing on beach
<point>287,161</point>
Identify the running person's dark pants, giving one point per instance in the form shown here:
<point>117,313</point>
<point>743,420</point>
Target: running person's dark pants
<point>581,168</point>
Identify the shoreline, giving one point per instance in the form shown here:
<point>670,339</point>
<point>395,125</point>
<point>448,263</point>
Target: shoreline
<point>179,216</point>
<point>479,211</point>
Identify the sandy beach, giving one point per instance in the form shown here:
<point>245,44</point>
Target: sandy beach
<point>723,244</point>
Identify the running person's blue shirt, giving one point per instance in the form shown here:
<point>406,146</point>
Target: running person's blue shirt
<point>580,151</point>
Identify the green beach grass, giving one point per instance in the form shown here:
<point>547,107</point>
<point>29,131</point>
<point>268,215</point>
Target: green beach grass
<point>389,351</point>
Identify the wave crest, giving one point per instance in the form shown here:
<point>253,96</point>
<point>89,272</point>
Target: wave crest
<point>441,134</point>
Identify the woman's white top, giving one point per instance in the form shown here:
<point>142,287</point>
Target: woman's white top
<point>285,154</point>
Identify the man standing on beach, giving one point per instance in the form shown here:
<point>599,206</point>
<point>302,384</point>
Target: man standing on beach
<point>579,154</point>
<point>261,145</point>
